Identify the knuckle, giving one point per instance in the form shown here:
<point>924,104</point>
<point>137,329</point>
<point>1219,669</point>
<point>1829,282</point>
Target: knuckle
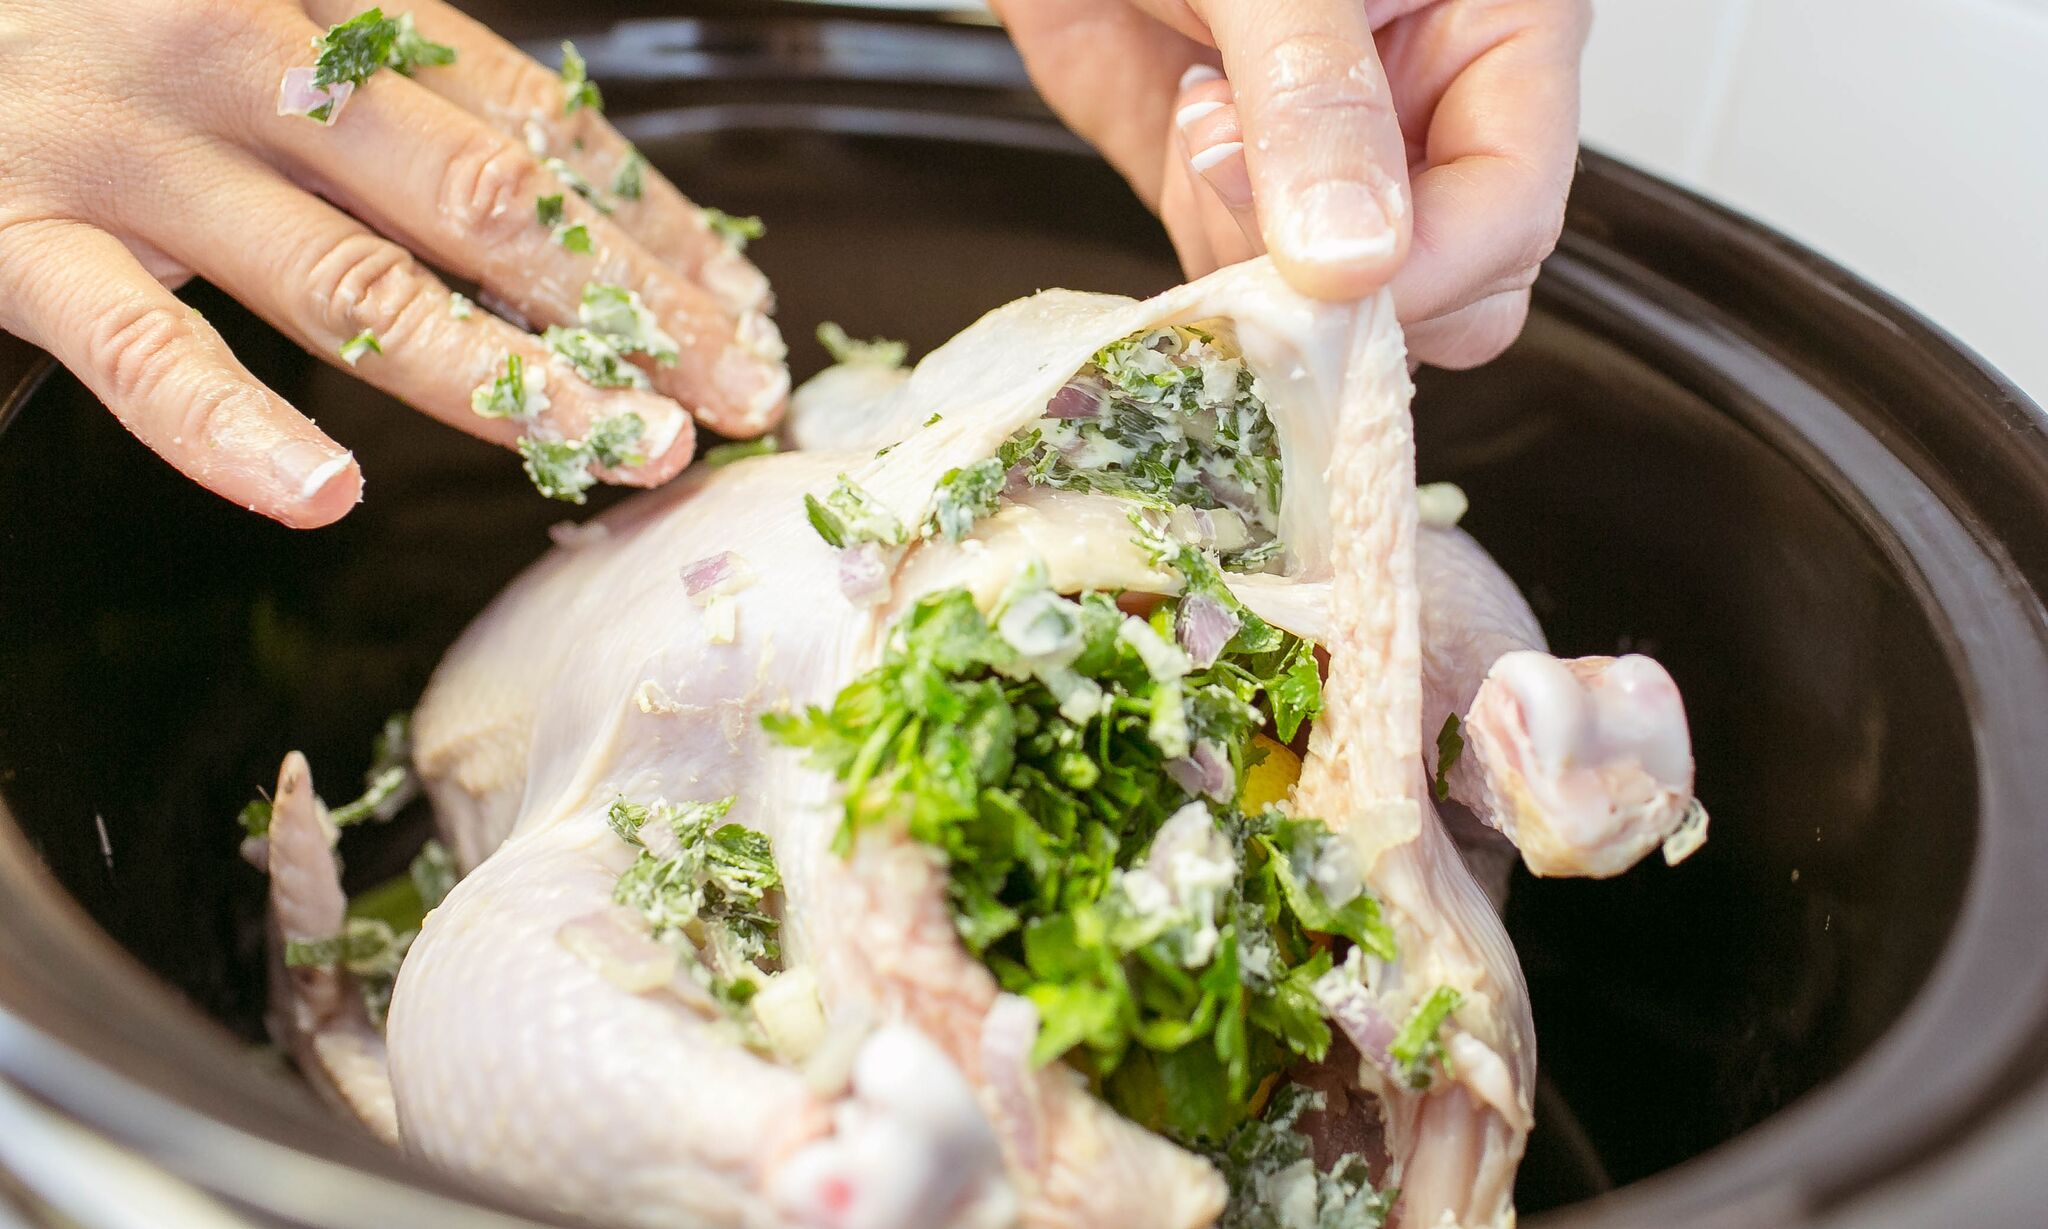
<point>136,347</point>
<point>489,187</point>
<point>1310,74</point>
<point>364,282</point>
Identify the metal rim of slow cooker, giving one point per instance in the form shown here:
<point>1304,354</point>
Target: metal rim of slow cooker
<point>124,1055</point>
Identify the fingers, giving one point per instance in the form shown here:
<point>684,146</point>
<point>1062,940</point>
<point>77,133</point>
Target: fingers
<point>321,278</point>
<point>467,197</point>
<point>1472,335</point>
<point>1211,142</point>
<point>167,375</point>
<point>1324,150</point>
<point>503,86</point>
<point>1502,145</point>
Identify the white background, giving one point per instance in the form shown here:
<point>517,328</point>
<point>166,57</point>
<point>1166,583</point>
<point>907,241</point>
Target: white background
<point>1906,139</point>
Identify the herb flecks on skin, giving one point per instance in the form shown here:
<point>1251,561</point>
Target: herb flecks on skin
<point>629,182</point>
<point>599,359</point>
<point>618,314</point>
<point>351,53</point>
<point>519,392</point>
<point>702,886</point>
<point>853,352</point>
<point>1416,1051</point>
<point>736,231</point>
<point>365,342</point>
<point>560,469</point>
<point>849,516</point>
<point>578,90</point>
<point>1024,747</point>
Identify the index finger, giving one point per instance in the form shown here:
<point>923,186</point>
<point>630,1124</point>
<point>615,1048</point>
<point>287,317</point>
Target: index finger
<point>1328,164</point>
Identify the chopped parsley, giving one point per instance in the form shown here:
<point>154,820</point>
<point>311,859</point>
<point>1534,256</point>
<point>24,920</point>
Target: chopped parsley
<point>1173,419</point>
<point>560,469</point>
<point>578,90</point>
<point>854,352</point>
<point>1450,745</point>
<point>574,181</point>
<point>519,392</point>
<point>1415,1050</point>
<point>388,786</point>
<point>619,315</point>
<point>629,182</point>
<point>965,496</point>
<point>702,886</point>
<point>382,924</point>
<point>850,516</point>
<point>549,210</point>
<point>735,230</point>
<point>1035,749</point>
<point>365,342</point>
<point>594,356</point>
<point>1275,1183</point>
<point>574,238</point>
<point>354,51</point>
<point>725,454</point>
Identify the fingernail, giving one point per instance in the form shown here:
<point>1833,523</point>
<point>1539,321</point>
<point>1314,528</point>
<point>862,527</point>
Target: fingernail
<point>1194,111</point>
<point>1204,160</point>
<point>1197,74</point>
<point>734,281</point>
<point>1335,222</point>
<point>761,338</point>
<point>306,468</point>
<point>664,423</point>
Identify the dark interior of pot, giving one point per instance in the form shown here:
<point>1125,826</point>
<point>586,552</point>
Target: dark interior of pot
<point>160,650</point>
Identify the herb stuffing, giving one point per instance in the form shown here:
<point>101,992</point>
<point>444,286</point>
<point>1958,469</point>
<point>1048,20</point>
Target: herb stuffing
<point>351,53</point>
<point>1275,1183</point>
<point>365,342</point>
<point>1172,419</point>
<point>702,886</point>
<point>853,352</point>
<point>1082,777</point>
<point>560,469</point>
<point>382,924</point>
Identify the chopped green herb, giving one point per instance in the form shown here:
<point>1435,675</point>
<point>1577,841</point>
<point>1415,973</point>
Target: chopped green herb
<point>595,357</point>
<point>1169,945</point>
<point>705,893</point>
<point>740,450</point>
<point>1173,419</point>
<point>618,314</point>
<point>549,210</point>
<point>382,924</point>
<point>574,238</point>
<point>853,352</point>
<point>935,419</point>
<point>390,783</point>
<point>614,441</point>
<point>574,180</point>
<point>255,818</point>
<point>1415,1050</point>
<point>1275,1182</point>
<point>558,469</point>
<point>355,50</point>
<point>1450,745</point>
<point>578,90</point>
<point>629,182</point>
<point>736,231</point>
<point>850,516</point>
<point>965,496</point>
<point>518,393</point>
<point>365,342</point>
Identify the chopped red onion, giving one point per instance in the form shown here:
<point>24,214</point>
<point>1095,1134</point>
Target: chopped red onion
<point>1204,626</point>
<point>864,574</point>
<point>1369,1031</point>
<point>705,575</point>
<point>1204,771</point>
<point>1074,401</point>
<point>297,95</point>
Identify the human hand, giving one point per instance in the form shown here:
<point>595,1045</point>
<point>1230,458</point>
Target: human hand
<point>143,141</point>
<point>1426,144</point>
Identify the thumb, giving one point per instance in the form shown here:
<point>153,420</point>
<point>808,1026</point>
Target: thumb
<point>1327,161</point>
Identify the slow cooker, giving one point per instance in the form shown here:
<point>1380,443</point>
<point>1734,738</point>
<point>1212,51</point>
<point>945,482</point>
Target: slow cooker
<point>1828,519</point>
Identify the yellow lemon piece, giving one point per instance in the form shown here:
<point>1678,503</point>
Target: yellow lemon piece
<point>1271,779</point>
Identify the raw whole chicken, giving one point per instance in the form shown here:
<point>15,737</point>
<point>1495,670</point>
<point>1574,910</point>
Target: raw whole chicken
<point>1017,806</point>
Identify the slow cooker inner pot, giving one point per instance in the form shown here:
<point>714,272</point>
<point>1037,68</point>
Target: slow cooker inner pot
<point>160,651</point>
